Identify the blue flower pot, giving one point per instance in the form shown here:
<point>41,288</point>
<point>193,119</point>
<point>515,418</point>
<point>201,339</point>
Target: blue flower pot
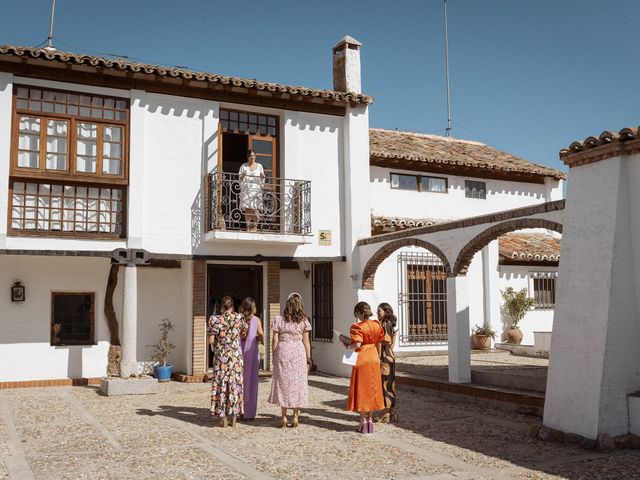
<point>163,373</point>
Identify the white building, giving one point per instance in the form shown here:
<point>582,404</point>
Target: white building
<point>118,171</point>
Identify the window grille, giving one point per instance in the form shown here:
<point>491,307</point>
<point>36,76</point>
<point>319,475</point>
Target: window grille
<point>322,302</point>
<point>72,318</point>
<point>475,189</point>
<point>422,299</point>
<point>544,289</point>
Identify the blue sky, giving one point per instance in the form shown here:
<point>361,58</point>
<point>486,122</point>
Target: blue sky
<point>528,77</point>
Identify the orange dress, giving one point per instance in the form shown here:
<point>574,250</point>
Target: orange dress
<point>365,389</point>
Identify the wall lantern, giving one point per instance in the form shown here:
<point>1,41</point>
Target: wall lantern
<point>17,292</point>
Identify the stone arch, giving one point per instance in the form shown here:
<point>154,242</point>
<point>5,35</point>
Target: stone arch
<point>479,241</point>
<point>369,273</point>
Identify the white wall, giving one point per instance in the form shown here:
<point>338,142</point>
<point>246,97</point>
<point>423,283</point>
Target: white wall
<point>501,195</point>
<point>536,320</point>
<point>6,100</point>
<point>25,350</point>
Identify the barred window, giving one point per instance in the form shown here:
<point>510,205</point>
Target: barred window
<point>322,302</point>
<point>544,289</point>
<point>66,209</point>
<point>72,318</point>
<point>475,189</point>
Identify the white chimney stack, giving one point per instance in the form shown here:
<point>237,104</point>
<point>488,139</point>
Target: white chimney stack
<point>346,65</point>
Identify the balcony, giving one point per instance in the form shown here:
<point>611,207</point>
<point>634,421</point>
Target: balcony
<point>281,209</point>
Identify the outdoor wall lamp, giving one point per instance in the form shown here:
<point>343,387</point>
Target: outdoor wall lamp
<point>354,277</point>
<point>17,292</point>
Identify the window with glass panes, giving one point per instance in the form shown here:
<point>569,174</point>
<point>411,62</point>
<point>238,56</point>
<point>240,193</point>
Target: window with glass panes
<point>418,183</point>
<point>474,189</point>
<point>69,163</point>
<point>65,132</point>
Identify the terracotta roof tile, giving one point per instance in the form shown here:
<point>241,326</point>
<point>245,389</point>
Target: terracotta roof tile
<point>423,148</point>
<point>606,138</point>
<point>118,63</point>
<point>529,247</point>
<point>401,222</point>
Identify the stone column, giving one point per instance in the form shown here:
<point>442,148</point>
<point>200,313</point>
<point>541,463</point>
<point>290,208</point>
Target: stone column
<point>129,362</point>
<point>458,325</point>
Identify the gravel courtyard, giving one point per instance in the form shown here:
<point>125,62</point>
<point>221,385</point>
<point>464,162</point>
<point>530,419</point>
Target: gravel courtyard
<point>75,433</point>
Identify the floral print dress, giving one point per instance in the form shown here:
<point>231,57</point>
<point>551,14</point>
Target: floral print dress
<point>226,386</point>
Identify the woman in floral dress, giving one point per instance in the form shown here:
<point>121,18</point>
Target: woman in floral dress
<point>291,359</point>
<point>226,388</point>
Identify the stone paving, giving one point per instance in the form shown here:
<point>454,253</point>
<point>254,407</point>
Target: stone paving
<point>75,433</point>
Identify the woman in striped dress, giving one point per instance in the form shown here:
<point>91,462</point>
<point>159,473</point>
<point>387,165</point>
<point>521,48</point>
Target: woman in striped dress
<point>388,362</point>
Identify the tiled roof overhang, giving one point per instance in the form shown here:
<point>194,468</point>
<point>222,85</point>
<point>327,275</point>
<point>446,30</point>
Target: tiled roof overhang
<point>520,248</point>
<point>608,144</point>
<point>431,153</point>
<point>124,73</point>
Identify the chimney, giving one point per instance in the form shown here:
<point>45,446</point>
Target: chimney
<point>346,65</point>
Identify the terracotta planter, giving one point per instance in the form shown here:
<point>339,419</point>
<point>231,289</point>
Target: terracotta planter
<point>514,335</point>
<point>481,342</point>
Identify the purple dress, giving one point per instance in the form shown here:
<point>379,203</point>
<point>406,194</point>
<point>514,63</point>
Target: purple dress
<point>289,387</point>
<point>251,356</point>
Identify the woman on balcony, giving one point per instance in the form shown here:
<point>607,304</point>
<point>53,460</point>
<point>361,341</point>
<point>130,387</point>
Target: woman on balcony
<point>291,359</point>
<point>251,182</point>
<point>227,386</point>
<point>365,388</point>
<point>251,343</point>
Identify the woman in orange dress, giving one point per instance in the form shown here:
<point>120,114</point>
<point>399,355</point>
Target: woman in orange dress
<point>365,389</point>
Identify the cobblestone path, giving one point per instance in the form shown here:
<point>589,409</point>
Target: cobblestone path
<point>75,433</point>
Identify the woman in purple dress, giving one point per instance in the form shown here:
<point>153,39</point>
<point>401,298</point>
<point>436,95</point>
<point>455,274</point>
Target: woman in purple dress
<point>251,353</point>
<point>291,359</point>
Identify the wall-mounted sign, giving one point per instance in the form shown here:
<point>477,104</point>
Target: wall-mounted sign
<point>324,238</point>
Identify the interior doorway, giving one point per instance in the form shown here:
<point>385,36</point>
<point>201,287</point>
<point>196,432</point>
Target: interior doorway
<point>234,151</point>
<point>236,281</point>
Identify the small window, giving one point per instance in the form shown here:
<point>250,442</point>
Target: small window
<point>544,289</point>
<point>474,189</point>
<point>322,302</point>
<point>404,182</point>
<point>72,318</point>
<point>434,184</point>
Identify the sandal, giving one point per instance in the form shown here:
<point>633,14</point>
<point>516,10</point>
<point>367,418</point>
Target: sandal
<point>294,424</point>
<point>384,418</point>
<point>284,423</point>
<point>223,422</point>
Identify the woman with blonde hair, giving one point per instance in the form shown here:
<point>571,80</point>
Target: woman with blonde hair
<point>227,385</point>
<point>251,356</point>
<point>291,359</point>
<point>365,388</point>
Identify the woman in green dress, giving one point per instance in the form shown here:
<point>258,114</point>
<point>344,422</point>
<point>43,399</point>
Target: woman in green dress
<point>388,362</point>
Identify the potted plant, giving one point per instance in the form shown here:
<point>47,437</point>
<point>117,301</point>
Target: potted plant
<point>516,305</point>
<point>162,350</point>
<point>481,337</point>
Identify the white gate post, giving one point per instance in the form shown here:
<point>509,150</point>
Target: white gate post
<point>458,327</point>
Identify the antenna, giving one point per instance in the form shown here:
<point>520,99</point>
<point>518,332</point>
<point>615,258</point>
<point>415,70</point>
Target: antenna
<point>446,70</point>
<point>50,46</point>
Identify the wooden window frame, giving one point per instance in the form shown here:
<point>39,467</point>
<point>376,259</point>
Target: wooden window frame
<point>419,182</point>
<point>70,174</point>
<point>92,340</point>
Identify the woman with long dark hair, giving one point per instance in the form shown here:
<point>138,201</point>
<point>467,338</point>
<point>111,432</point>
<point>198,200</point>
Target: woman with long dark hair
<point>388,362</point>
<point>251,355</point>
<point>365,388</point>
<point>291,359</point>
<point>251,177</point>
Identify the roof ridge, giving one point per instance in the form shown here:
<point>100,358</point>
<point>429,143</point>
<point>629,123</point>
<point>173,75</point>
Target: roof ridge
<point>124,63</point>
<point>429,135</point>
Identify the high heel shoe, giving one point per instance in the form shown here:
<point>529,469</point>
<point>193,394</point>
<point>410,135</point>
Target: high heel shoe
<point>295,423</point>
<point>363,427</point>
<point>384,418</point>
<point>370,426</point>
<point>284,423</point>
<point>394,417</point>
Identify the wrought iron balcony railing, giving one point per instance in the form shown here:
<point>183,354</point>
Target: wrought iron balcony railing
<point>271,205</point>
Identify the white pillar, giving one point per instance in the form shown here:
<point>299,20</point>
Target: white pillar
<point>458,326</point>
<point>129,362</point>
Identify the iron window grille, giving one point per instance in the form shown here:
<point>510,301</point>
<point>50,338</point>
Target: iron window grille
<point>544,289</point>
<point>72,318</point>
<point>475,189</point>
<point>322,293</point>
<point>422,299</point>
